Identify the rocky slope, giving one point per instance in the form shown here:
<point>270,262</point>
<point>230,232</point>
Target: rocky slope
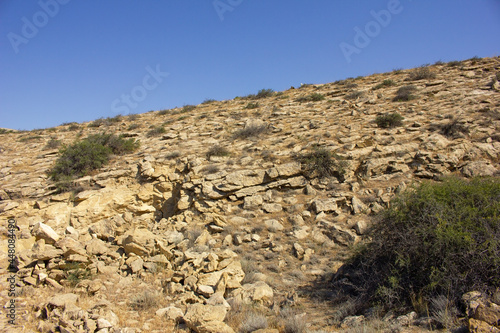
<point>217,211</point>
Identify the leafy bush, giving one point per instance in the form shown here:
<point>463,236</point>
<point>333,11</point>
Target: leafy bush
<point>438,239</point>
<point>79,159</point>
<point>314,97</point>
<point>454,63</point>
<point>208,101</point>
<point>263,93</point>
<point>144,300</point>
<point>250,131</point>
<point>133,127</point>
<point>421,73</point>
<point>405,93</point>
<point>173,155</point>
<point>118,144</point>
<point>75,273</point>
<point>389,120</point>
<point>252,105</point>
<point>133,117</point>
<point>30,138</point>
<point>156,131</point>
<point>385,83</point>
<point>253,321</point>
<point>82,157</point>
<point>188,108</point>
<point>210,169</point>
<point>453,129</point>
<point>53,144</point>
<point>323,163</point>
<point>218,150</point>
<point>291,321</point>
<point>97,123</point>
<point>354,95</point>
<point>73,127</point>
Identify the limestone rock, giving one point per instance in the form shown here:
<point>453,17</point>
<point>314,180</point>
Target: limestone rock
<point>326,206</point>
<point>63,300</point>
<point>273,225</point>
<point>207,318</point>
<point>96,247</point>
<point>258,292</point>
<point>358,206</point>
<point>139,241</point>
<point>252,202</point>
<point>272,207</point>
<point>43,231</point>
<point>171,313</point>
<point>478,168</point>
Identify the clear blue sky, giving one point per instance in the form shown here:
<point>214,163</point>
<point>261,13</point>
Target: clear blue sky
<point>75,60</point>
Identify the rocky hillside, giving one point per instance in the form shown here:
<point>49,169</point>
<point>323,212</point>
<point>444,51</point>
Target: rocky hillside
<point>226,218</point>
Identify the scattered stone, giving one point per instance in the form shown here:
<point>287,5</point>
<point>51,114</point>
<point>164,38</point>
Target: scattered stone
<point>43,231</point>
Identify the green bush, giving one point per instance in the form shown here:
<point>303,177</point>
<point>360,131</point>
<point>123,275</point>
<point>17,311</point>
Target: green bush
<point>188,108</point>
<point>354,95</point>
<point>133,127</point>
<point>79,159</point>
<point>209,101</point>
<point>314,97</point>
<point>263,93</point>
<point>82,157</point>
<point>156,131</point>
<point>53,144</point>
<point>453,129</point>
<point>250,131</point>
<point>73,127</point>
<point>76,272</point>
<point>421,73</point>
<point>30,138</point>
<point>118,144</point>
<point>389,120</point>
<point>454,63</point>
<point>385,83</point>
<point>405,94</point>
<point>218,150</point>
<point>252,105</point>
<point>438,239</point>
<point>323,163</point>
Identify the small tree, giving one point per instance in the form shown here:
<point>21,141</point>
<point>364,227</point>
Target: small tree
<point>389,120</point>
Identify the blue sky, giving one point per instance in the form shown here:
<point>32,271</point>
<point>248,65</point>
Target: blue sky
<point>73,60</point>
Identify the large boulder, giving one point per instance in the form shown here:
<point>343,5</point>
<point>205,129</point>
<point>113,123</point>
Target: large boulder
<point>139,241</point>
<point>207,318</point>
<point>45,232</point>
<point>258,292</point>
<point>234,273</point>
<point>484,315</point>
